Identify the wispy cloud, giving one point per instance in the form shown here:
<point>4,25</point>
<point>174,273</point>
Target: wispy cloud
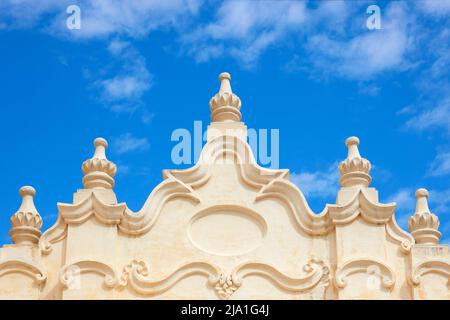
<point>405,200</point>
<point>135,18</point>
<point>440,165</point>
<point>128,143</point>
<point>357,53</point>
<point>432,118</point>
<point>122,87</point>
<point>435,7</point>
<point>318,184</point>
<point>245,29</point>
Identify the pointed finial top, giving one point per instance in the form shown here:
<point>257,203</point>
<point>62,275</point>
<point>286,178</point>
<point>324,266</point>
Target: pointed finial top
<point>26,222</point>
<point>225,85</point>
<point>27,191</point>
<point>99,171</point>
<point>225,105</point>
<point>100,145</point>
<point>352,144</point>
<point>423,224</point>
<point>354,169</point>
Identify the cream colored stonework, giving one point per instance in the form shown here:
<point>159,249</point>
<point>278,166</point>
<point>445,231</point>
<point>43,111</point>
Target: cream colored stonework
<point>225,229</point>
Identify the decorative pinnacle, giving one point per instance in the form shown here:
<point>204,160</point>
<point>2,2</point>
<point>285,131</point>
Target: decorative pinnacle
<point>423,224</point>
<point>26,222</point>
<point>225,105</point>
<point>354,169</point>
<point>100,145</point>
<point>225,86</point>
<point>352,144</point>
<point>98,171</point>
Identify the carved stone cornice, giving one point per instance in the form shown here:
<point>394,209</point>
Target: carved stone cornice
<point>361,205</point>
<point>92,206</point>
<point>78,213</point>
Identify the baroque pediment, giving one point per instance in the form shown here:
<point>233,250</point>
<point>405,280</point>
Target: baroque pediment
<point>226,228</point>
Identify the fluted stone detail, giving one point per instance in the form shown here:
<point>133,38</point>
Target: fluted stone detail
<point>225,105</point>
<point>423,224</point>
<point>26,222</point>
<point>354,170</point>
<point>98,171</point>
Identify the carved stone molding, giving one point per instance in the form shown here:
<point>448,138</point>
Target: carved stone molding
<point>136,223</point>
<point>70,272</point>
<point>376,213</point>
<point>226,149</point>
<point>77,214</point>
<point>433,266</point>
<point>369,266</point>
<point>289,194</point>
<point>80,212</point>
<point>136,275</point>
<point>316,274</point>
<point>29,268</point>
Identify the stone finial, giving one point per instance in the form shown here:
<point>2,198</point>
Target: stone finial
<point>225,105</point>
<point>99,171</point>
<point>26,222</point>
<point>354,169</point>
<point>424,224</point>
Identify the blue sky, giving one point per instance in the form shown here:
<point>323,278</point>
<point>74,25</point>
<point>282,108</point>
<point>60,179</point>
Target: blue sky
<point>136,72</point>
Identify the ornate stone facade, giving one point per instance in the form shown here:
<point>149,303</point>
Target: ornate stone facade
<point>225,229</point>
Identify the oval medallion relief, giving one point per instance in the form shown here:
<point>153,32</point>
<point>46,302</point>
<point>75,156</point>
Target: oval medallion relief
<point>227,230</point>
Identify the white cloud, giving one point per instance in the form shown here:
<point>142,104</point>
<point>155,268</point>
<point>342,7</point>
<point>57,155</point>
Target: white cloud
<point>122,169</point>
<point>128,143</point>
<point>133,80</point>
<point>99,18</point>
<point>435,7</point>
<point>440,201</point>
<point>126,86</point>
<point>432,118</point>
<point>123,83</point>
<point>406,202</point>
<point>318,184</point>
<point>440,165</point>
<point>245,29</point>
<point>367,53</point>
<point>369,90</point>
